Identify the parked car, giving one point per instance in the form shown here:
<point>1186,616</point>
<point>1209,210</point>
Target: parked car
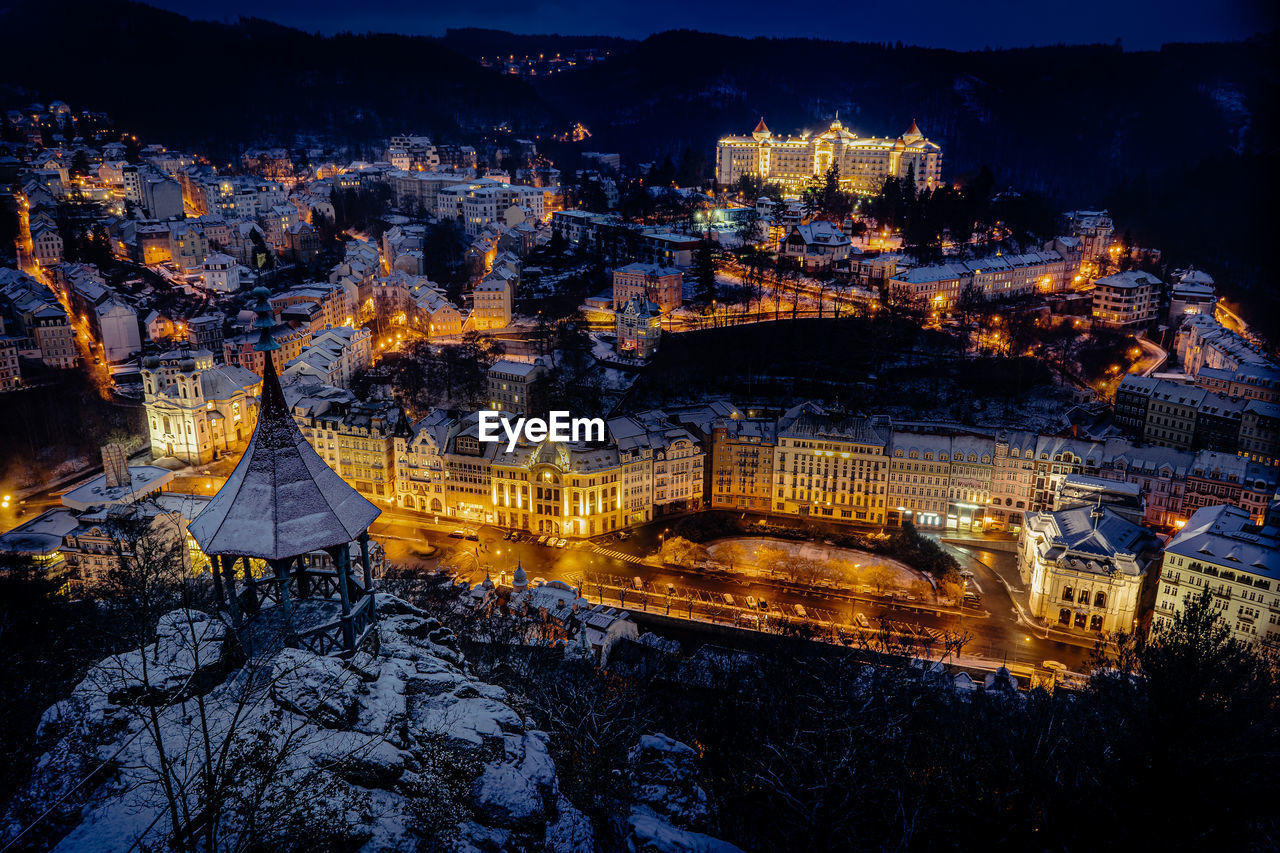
<point>751,602</point>
<point>728,599</point>
<point>458,534</point>
<point>671,589</point>
<point>861,620</point>
<point>637,582</point>
<point>764,606</point>
<point>538,581</point>
<point>472,537</point>
<point>560,543</point>
<point>801,612</point>
<point>507,535</point>
<point>624,535</point>
<point>542,540</point>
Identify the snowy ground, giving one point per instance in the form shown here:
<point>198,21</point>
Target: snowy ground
<point>901,575</point>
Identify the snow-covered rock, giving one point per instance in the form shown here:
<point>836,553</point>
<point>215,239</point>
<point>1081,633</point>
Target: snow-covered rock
<point>670,806</point>
<point>650,834</point>
<point>397,748</point>
<point>664,772</point>
<point>186,657</point>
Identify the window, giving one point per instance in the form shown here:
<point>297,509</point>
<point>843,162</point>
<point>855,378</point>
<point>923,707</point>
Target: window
<point>1068,594</point>
<point>1064,616</point>
<point>1099,599</point>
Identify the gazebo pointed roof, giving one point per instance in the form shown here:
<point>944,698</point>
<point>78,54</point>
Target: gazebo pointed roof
<point>761,127</point>
<point>913,132</point>
<point>282,500</point>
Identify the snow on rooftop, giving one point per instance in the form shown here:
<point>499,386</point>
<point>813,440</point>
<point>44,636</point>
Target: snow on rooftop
<point>144,479</point>
<point>282,499</point>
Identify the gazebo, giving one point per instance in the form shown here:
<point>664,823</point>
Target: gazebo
<point>280,505</point>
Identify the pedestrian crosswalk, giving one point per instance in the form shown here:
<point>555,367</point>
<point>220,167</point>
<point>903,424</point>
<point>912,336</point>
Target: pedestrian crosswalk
<point>618,555</point>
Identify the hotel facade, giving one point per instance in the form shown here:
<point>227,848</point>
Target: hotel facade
<point>863,162</point>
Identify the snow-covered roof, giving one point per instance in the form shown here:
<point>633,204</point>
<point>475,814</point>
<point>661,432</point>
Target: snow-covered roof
<point>144,479</point>
<point>282,499</point>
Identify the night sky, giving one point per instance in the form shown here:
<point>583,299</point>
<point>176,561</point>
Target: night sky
<point>1141,24</point>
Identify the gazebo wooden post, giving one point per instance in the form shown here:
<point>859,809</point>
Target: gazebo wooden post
<point>281,568</point>
<point>300,572</point>
<point>233,602</point>
<point>218,593</point>
<point>342,559</point>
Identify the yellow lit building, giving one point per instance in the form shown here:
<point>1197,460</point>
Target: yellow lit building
<point>831,467</point>
<point>572,490</point>
<point>196,409</point>
<point>864,162</point>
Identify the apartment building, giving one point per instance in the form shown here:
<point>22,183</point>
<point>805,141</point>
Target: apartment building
<point>1224,550</point>
<point>360,440</point>
<point>661,285</point>
<point>831,467</point>
<point>919,479</point>
<point>1126,299</point>
<point>509,384</point>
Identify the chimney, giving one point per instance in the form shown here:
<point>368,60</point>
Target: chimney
<point>116,466</point>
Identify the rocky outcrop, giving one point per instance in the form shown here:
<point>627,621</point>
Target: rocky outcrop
<point>670,806</point>
<point>397,748</point>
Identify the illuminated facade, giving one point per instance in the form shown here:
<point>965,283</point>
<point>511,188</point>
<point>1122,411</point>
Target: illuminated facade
<point>194,408</point>
<point>831,467</point>
<point>559,489</point>
<point>864,162</point>
<point>1223,549</point>
<point>1084,568</point>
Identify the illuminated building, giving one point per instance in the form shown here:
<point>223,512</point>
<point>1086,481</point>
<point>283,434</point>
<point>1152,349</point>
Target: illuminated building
<point>1084,567</point>
<point>817,245</point>
<point>491,304</point>
<point>557,488</point>
<point>864,162</point>
<point>662,285</point>
<point>919,474</point>
<point>1126,299</point>
<point>220,273</point>
<point>639,328</point>
<point>195,409</point>
<point>831,467</point>
<point>359,440</point>
<point>1221,549</point>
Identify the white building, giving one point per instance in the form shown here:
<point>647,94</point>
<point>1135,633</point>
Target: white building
<point>118,327</point>
<point>487,204</point>
<point>817,245</point>
<point>1222,550</point>
<point>196,409</point>
<point>220,273</point>
<point>1193,293</point>
<point>1084,567</point>
<point>1126,299</point>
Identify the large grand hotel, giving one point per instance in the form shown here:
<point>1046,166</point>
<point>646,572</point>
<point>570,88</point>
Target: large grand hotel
<point>864,162</point>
